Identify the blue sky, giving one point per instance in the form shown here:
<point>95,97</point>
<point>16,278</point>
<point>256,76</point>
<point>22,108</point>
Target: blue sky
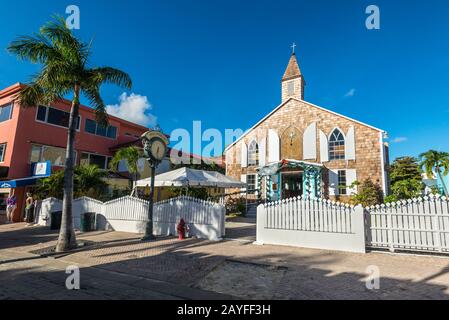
<point>221,61</point>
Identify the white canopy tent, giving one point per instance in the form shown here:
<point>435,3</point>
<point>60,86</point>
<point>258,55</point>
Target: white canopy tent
<point>186,177</point>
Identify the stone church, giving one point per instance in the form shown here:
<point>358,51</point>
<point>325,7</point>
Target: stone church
<point>303,149</point>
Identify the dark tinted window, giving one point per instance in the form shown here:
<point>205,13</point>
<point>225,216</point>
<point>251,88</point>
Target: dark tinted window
<point>56,117</point>
<point>2,152</point>
<point>91,126</point>
<point>100,161</point>
<point>112,132</point>
<point>94,128</point>
<point>41,113</point>
<point>101,131</point>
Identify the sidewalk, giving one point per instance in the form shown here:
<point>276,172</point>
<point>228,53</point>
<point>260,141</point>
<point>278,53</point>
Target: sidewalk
<point>24,275</point>
<point>123,267</point>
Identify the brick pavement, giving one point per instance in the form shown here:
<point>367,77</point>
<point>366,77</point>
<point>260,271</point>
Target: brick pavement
<point>166,267</point>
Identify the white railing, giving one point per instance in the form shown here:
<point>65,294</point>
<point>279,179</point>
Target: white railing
<point>130,214</point>
<point>313,223</point>
<point>416,224</point>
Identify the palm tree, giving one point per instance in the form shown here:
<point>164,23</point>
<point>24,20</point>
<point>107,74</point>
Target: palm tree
<point>89,181</point>
<point>436,160</point>
<point>52,186</point>
<point>65,71</point>
<point>130,155</point>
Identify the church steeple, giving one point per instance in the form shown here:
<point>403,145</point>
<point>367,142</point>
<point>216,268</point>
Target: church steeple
<point>292,81</point>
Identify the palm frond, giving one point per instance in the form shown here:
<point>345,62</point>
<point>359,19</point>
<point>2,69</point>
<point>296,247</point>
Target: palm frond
<point>130,155</point>
<point>62,37</point>
<point>93,94</point>
<point>31,96</point>
<point>111,75</point>
<point>34,48</point>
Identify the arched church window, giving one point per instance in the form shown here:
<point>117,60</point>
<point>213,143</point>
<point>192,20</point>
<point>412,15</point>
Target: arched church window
<point>336,145</point>
<point>253,154</point>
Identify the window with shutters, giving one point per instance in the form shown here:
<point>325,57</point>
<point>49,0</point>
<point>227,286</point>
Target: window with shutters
<point>253,154</point>
<point>342,188</point>
<point>251,183</point>
<point>336,145</point>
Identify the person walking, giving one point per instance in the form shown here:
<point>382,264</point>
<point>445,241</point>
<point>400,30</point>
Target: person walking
<point>29,209</point>
<point>11,205</point>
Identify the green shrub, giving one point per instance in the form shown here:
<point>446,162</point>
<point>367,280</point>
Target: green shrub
<point>406,189</point>
<point>369,193</point>
<point>390,198</point>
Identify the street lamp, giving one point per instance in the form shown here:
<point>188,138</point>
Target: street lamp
<point>155,148</point>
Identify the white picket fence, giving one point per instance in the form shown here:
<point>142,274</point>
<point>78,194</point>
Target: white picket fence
<point>129,214</point>
<point>311,223</point>
<point>204,217</point>
<point>420,224</point>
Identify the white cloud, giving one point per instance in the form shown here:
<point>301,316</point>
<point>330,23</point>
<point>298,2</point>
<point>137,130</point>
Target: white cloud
<point>399,139</point>
<point>350,93</point>
<point>134,108</point>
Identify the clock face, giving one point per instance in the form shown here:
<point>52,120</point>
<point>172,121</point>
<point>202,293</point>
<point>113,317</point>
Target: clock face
<point>158,149</point>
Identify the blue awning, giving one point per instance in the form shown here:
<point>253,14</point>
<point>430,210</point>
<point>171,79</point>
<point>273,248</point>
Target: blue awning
<point>29,181</point>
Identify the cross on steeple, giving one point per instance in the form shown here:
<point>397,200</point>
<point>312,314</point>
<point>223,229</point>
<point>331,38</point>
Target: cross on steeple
<point>293,47</point>
<point>292,81</point>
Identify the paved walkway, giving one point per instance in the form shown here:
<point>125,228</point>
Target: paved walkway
<point>241,229</point>
<point>123,267</point>
<point>24,275</point>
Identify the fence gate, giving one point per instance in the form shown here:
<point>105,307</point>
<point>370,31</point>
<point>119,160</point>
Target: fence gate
<point>312,223</point>
<point>419,224</point>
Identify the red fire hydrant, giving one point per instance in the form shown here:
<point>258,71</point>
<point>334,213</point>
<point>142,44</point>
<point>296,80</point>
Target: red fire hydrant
<point>181,229</point>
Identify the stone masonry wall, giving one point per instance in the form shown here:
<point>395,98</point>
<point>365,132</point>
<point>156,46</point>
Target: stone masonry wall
<point>299,115</point>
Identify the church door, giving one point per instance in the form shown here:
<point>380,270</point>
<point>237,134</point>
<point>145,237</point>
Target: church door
<point>291,184</point>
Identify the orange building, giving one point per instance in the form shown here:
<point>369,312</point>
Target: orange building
<point>39,134</point>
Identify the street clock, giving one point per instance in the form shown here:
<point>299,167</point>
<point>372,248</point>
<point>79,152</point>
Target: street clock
<point>155,145</point>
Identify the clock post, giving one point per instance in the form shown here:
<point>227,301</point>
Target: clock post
<point>155,148</point>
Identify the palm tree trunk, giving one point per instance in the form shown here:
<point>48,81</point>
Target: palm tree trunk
<point>442,182</point>
<point>133,184</point>
<point>67,239</point>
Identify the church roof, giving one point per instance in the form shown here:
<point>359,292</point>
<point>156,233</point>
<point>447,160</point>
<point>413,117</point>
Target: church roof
<point>292,70</point>
<point>308,103</point>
